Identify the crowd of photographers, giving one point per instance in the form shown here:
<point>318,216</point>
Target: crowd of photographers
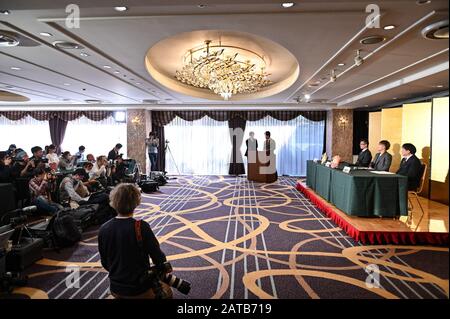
<point>55,182</point>
<point>51,182</point>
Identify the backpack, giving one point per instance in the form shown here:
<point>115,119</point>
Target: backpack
<point>64,229</point>
<point>159,177</point>
<point>148,186</point>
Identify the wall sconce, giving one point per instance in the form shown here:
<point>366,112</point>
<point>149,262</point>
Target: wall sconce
<point>136,120</point>
<point>342,121</point>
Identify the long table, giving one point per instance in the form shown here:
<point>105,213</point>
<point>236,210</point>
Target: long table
<point>360,192</point>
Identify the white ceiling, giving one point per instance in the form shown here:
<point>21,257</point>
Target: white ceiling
<point>319,33</point>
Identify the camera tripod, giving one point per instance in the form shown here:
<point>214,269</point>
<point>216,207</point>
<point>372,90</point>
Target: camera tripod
<point>167,148</point>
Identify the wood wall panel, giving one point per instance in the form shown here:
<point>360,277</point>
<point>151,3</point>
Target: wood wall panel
<point>374,131</point>
<point>440,151</point>
<point>391,130</point>
<point>416,129</point>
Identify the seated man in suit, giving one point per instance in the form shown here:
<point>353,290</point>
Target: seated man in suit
<point>383,159</point>
<point>364,157</point>
<point>410,166</point>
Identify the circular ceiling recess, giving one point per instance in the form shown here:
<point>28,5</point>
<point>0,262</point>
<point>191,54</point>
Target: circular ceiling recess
<point>436,31</point>
<point>6,96</point>
<point>222,65</point>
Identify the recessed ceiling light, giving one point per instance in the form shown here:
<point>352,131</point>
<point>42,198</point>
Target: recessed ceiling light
<point>6,12</point>
<point>201,6</point>
<point>389,27</point>
<point>116,72</point>
<point>46,34</point>
<point>422,2</point>
<point>84,54</point>
<point>395,98</point>
<point>107,67</point>
<point>66,84</point>
<point>439,86</point>
<point>138,83</point>
<point>374,39</point>
<point>341,64</point>
<point>65,45</point>
<point>16,68</point>
<point>288,4</point>
<point>121,9</point>
<point>307,96</point>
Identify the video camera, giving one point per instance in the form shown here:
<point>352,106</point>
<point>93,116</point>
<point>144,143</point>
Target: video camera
<point>163,273</point>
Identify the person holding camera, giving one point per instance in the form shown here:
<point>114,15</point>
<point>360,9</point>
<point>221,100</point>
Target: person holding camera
<point>79,156</point>
<point>40,187</point>
<point>38,157</point>
<point>123,255</point>
<point>66,162</point>
<point>52,157</point>
<point>6,175</point>
<point>152,143</point>
<point>23,166</point>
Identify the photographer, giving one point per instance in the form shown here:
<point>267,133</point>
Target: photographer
<point>23,166</point>
<point>66,162</point>
<point>99,170</point>
<point>79,156</point>
<point>40,188</point>
<point>121,255</point>
<point>6,175</point>
<point>152,143</point>
<point>112,155</point>
<point>52,157</point>
<point>11,150</point>
<point>118,171</point>
<point>38,157</point>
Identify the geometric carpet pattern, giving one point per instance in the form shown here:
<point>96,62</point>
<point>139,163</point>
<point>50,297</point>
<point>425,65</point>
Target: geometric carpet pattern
<point>232,238</point>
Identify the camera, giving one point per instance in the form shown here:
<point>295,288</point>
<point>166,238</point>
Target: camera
<point>163,273</point>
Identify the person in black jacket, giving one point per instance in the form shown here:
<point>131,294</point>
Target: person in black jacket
<point>364,157</point>
<point>251,143</point>
<point>6,175</point>
<point>112,155</point>
<point>120,253</point>
<point>410,166</point>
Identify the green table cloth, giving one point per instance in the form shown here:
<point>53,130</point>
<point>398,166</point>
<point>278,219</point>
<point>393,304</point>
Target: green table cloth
<point>360,192</point>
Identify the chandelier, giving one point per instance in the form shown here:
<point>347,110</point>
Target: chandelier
<point>225,70</point>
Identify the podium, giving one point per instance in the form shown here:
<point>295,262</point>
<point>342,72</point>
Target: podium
<point>257,163</point>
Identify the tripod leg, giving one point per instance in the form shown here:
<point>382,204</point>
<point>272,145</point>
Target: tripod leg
<point>173,159</point>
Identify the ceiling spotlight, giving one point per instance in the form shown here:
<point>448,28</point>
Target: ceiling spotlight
<point>6,12</point>
<point>8,39</point>
<point>389,27</point>
<point>201,6</point>
<point>333,76</point>
<point>138,83</point>
<point>395,98</point>
<point>65,45</point>
<point>121,9</point>
<point>16,68</point>
<point>106,67</point>
<point>358,59</point>
<point>288,4</point>
<point>46,34</point>
<point>341,64</point>
<point>84,54</point>
<point>307,96</point>
<point>66,84</point>
<point>439,86</point>
<point>116,72</point>
<point>422,2</point>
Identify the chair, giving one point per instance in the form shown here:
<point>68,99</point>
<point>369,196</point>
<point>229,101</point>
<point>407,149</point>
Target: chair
<point>415,193</point>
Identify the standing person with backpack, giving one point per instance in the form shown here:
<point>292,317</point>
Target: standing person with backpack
<point>152,143</point>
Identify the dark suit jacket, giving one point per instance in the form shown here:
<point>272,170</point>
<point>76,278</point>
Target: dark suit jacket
<point>413,169</point>
<point>253,146</point>
<point>112,155</point>
<point>364,158</point>
<point>382,162</point>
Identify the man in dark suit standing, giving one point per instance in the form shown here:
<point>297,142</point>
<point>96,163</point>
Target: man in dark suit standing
<point>410,166</point>
<point>364,157</point>
<point>112,155</point>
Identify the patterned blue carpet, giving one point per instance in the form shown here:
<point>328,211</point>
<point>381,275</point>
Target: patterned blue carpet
<point>232,238</point>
